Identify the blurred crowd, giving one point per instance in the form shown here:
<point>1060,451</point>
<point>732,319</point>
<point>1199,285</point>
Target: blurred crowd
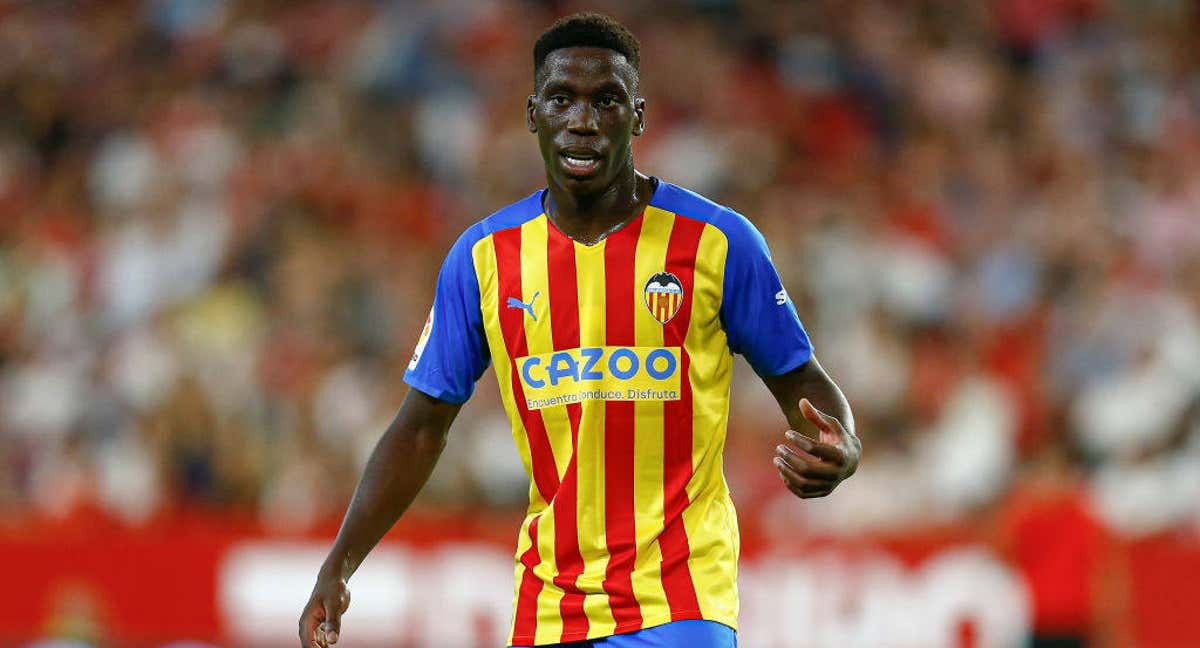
<point>220,224</point>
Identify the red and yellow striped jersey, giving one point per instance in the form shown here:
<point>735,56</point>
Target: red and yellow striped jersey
<point>614,364</point>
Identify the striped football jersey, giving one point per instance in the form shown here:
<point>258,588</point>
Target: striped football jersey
<point>614,363</point>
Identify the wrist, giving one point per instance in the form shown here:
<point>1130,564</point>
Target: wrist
<point>338,565</point>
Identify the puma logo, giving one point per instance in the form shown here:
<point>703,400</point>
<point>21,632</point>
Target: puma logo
<point>513,302</point>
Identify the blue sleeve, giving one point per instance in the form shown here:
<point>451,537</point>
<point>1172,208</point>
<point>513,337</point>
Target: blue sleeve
<point>452,352</point>
<point>759,317</point>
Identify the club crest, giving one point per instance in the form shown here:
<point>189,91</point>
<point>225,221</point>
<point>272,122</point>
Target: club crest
<point>663,296</point>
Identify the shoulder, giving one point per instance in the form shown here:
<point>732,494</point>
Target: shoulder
<point>512,215</point>
<point>507,217</point>
<point>738,230</point>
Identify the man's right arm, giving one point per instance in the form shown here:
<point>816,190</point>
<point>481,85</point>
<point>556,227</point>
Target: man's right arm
<point>399,466</point>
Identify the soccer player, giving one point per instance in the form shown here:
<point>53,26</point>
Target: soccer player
<point>610,304</point>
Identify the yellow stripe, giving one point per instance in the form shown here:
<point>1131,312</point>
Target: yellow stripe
<point>523,545</point>
<point>539,335</point>
<point>710,519</point>
<point>593,543</point>
<point>484,256</point>
<point>650,258</point>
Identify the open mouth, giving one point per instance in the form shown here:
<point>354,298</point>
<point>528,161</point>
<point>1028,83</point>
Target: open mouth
<point>580,163</point>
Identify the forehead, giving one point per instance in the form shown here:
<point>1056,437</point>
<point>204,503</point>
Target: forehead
<point>587,66</point>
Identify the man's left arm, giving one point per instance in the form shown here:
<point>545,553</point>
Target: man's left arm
<point>762,325</point>
<point>822,448</point>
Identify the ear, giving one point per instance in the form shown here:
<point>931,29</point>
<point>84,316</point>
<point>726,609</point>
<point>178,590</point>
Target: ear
<point>529,108</point>
<point>639,116</point>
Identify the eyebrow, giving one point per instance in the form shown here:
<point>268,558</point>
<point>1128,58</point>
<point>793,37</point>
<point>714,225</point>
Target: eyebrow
<point>608,87</point>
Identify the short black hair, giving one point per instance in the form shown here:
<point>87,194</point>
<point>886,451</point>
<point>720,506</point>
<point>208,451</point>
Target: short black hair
<point>587,29</point>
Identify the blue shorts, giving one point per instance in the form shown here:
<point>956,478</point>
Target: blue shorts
<point>689,633</point>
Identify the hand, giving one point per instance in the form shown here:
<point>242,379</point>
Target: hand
<point>813,468</point>
<point>321,620</point>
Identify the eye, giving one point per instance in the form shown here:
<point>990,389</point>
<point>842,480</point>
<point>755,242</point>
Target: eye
<point>559,100</point>
<point>607,101</point>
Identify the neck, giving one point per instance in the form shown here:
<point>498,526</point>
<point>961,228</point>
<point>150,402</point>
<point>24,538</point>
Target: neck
<point>590,218</point>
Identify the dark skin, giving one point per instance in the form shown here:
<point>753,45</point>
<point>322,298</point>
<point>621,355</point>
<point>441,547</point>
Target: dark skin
<point>822,448</point>
<point>585,103</point>
<point>585,111</point>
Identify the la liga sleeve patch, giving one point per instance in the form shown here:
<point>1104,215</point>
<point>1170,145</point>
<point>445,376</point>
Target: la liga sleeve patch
<point>422,341</point>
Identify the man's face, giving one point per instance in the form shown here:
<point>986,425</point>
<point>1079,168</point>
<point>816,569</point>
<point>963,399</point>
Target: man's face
<point>585,111</point>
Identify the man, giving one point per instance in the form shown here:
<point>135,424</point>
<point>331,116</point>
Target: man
<point>610,304</point>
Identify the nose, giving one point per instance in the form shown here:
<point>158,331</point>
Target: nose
<point>583,118</point>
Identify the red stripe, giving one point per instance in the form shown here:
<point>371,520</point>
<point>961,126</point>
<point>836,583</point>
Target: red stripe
<point>677,441</point>
<point>525,617</point>
<point>512,325</point>
<point>619,256</point>
<point>564,327</point>
<point>507,244</point>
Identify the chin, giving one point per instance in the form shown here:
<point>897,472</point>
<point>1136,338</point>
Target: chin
<point>580,186</point>
<point>585,186</point>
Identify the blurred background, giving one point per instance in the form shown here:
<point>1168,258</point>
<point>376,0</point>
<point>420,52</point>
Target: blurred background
<point>220,224</point>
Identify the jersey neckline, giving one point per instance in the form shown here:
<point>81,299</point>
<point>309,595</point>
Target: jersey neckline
<point>541,201</point>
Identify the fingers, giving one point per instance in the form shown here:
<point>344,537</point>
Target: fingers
<point>320,626</point>
<point>310,633</point>
<point>809,468</point>
<point>334,607</point>
<point>813,467</point>
<point>829,428</point>
<point>815,416</point>
<point>822,451</point>
<point>807,465</point>
<point>800,486</point>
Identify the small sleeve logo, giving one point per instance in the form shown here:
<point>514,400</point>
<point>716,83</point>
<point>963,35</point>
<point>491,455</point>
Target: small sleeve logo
<point>663,296</point>
<point>422,341</point>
